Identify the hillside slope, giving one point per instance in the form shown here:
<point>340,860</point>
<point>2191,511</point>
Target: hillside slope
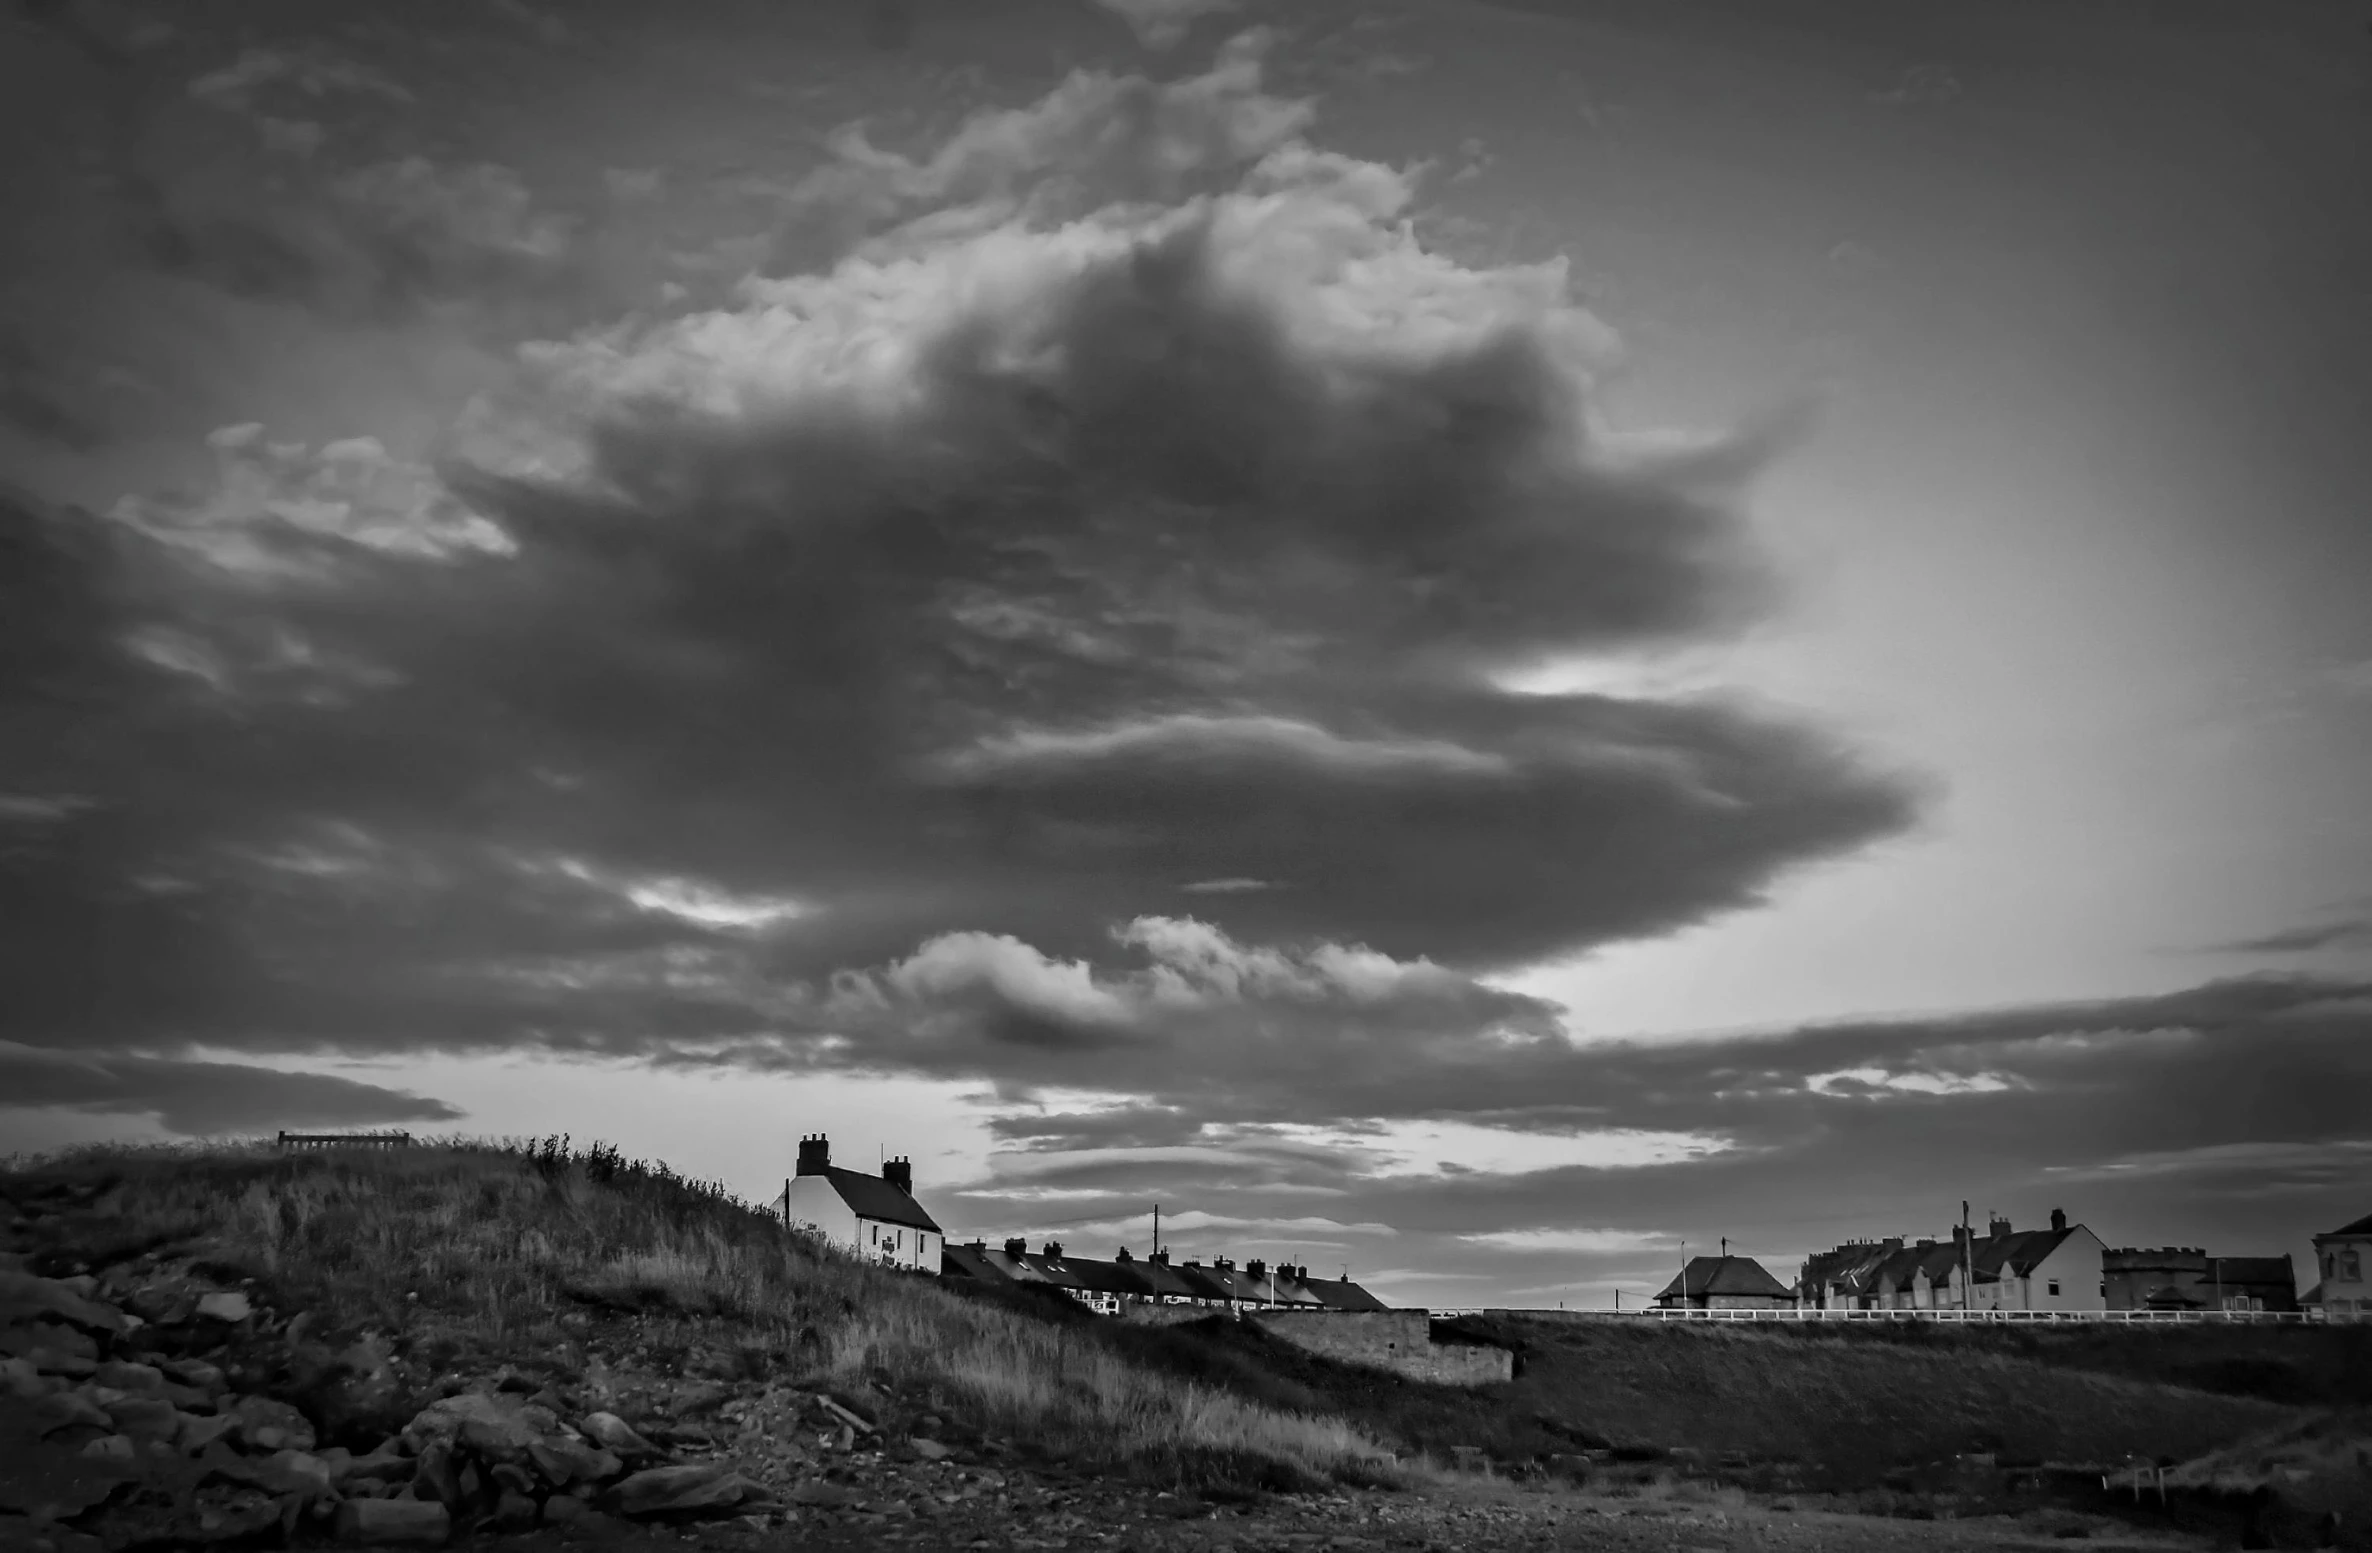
<point>162,1312</point>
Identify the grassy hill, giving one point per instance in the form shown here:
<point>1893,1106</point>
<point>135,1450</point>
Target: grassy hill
<point>467,1260</point>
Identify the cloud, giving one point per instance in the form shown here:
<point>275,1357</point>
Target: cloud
<point>851,675</point>
<point>2303,939</point>
<point>206,1099</point>
<point>1163,24</point>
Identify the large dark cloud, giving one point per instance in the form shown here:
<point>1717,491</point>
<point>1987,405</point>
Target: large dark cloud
<point>206,1099</point>
<point>1056,641</point>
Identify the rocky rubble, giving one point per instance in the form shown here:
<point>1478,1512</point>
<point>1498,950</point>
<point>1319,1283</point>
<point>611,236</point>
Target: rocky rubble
<point>148,1408</point>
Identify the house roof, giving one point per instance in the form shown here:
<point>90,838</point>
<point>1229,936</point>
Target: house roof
<point>1724,1275</point>
<point>870,1197</point>
<point>1163,1280</point>
<point>1337,1294</point>
<point>2019,1252</point>
<point>2362,1226</point>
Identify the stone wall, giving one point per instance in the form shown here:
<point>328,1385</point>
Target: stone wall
<point>1397,1340</point>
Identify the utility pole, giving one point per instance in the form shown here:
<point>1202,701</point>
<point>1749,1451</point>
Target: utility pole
<point>1684,1275</point>
<point>1157,1229</point>
<point>1968,1265</point>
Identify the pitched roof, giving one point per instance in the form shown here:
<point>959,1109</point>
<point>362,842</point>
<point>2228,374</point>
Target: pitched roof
<point>2362,1226</point>
<point>1735,1276</point>
<point>1338,1294</point>
<point>870,1197</point>
<point>2019,1252</point>
<point>1202,1283</point>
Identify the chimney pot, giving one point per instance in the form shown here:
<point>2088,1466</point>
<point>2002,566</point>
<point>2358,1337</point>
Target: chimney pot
<point>1016,1247</point>
<point>899,1173</point>
<point>2058,1218</point>
<point>1053,1250</point>
<point>1122,1255</point>
<point>815,1155</point>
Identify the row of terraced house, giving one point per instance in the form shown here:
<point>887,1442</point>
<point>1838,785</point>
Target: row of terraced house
<point>878,1218</point>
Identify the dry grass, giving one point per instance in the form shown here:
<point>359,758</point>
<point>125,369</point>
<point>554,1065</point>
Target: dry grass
<point>479,1248</point>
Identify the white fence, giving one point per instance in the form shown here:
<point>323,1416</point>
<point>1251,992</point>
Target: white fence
<point>1810,1313</point>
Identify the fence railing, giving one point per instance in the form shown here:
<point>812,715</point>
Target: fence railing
<point>1808,1313</point>
<point>345,1140</point>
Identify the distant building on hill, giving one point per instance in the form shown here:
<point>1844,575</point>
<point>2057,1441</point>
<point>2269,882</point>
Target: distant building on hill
<point>874,1216</point>
<point>2059,1268</point>
<point>1113,1288</point>
<point>2180,1278</point>
<point>1725,1283</point>
<point>2036,1269</point>
<point>2343,1256</point>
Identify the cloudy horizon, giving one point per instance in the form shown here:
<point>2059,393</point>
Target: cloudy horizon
<point>1462,641</point>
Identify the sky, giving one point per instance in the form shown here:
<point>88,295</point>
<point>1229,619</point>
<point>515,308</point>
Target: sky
<point>1483,643</point>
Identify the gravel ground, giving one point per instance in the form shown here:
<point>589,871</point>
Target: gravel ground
<point>1453,1518</point>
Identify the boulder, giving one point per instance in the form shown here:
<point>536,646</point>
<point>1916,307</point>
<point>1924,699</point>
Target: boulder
<point>497,1428</point>
<point>930,1450</point>
<point>195,1373</point>
<point>195,1432</point>
<point>514,1511</point>
<point>25,1298</point>
<point>296,1472</point>
<point>67,1409</point>
<point>613,1433</point>
<point>141,1380</point>
<point>417,1523</point>
<point>263,1425</point>
<point>384,1465</point>
<point>52,1338</point>
<point>563,1461</point>
<point>693,1491</point>
<point>229,1306</point>
<point>144,1418</point>
<point>113,1447</point>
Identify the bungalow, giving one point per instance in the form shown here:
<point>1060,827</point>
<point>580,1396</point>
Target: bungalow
<point>875,1217</point>
<point>2343,1255</point>
<point>1725,1283</point>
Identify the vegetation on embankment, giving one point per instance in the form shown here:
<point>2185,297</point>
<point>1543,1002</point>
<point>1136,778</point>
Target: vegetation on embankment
<point>467,1256</point>
<point>1852,1405</point>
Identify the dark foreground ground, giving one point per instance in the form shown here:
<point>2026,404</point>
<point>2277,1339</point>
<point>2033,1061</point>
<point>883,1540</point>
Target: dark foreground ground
<point>1453,1516</point>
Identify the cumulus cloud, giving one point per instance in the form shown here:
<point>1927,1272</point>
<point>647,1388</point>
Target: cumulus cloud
<point>853,674</point>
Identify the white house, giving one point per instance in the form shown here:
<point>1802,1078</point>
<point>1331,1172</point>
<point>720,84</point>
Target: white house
<point>874,1216</point>
<point>2344,1258</point>
<point>2037,1269</point>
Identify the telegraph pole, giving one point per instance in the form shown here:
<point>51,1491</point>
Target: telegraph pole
<point>1968,1266</point>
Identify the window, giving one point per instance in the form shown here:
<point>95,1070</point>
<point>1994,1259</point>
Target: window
<point>2054,1286</point>
<point>876,1229</point>
<point>2351,1266</point>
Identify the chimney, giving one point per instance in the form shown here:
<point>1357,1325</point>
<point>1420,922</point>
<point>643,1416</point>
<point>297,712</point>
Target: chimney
<point>1960,1235</point>
<point>1159,1258</point>
<point>1122,1255</point>
<point>979,1248</point>
<point>2058,1219</point>
<point>1053,1251</point>
<point>1998,1227</point>
<point>1016,1248</point>
<point>899,1173</point>
<point>815,1155</point>
<point>1927,1242</point>
<point>1223,1264</point>
<point>1256,1269</point>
